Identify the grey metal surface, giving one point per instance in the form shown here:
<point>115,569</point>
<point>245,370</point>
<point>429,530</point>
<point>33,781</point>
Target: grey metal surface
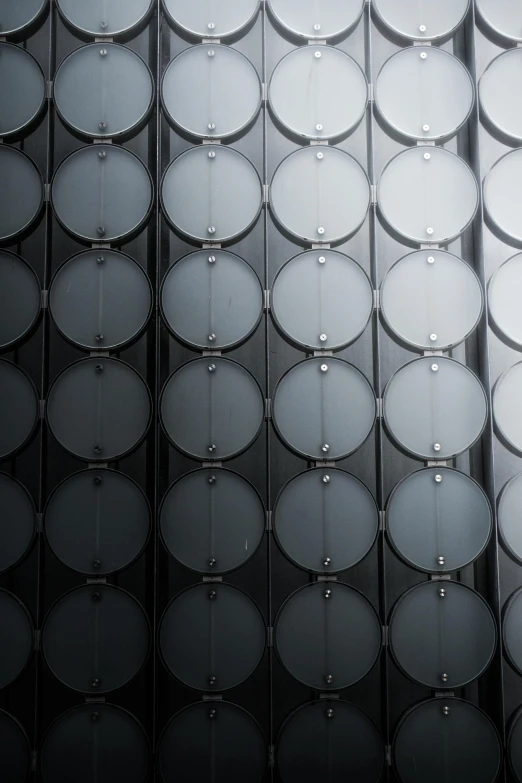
<point>212,741</point>
<point>514,745</point>
<point>438,520</point>
<point>442,634</point>
<point>498,84</point>
<point>502,198</point>
<point>447,739</point>
<point>508,512</point>
<point>99,740</point>
<point>21,195</point>
<point>18,409</point>
<point>211,92</point>
<point>105,17</point>
<point>506,406</point>
<point>20,299</point>
<point>309,20</point>
<point>96,638</point>
<point>91,91</point>
<point>100,300</point>
<point>420,20</point>
<point>323,408</point>
<point>333,738</point>
<point>22,89</point>
<point>321,300</point>
<point>333,209</point>
<point>434,408</point>
<point>500,19</point>
<point>212,520</point>
<point>212,408</point>
<point>17,521</point>
<point>208,20</point>
<point>427,196</point>
<point>99,409</point>
<point>327,636</point>
<point>97,522</point>
<point>431,300</point>
<point>212,637</point>
<point>212,300</point>
<point>115,199</point>
<point>325,520</point>
<point>512,630</point>
<point>318,92</point>
<point>19,15</point>
<point>505,315</point>
<point>424,93</point>
<point>224,186</point>
<point>17,638</point>
<point>14,749</point>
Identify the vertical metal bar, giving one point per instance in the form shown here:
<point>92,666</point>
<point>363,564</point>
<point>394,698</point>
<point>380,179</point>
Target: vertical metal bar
<point>379,462</point>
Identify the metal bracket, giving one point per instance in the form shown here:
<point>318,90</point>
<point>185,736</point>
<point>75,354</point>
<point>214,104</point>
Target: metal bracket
<point>320,42</point>
<point>212,697</point>
<point>97,465</point>
<point>49,90</point>
<point>95,699</point>
<point>47,192</point>
<point>98,580</point>
<point>422,43</point>
<point>373,192</point>
<point>266,304</point>
<point>99,354</point>
<point>42,409</point>
<point>382,521</point>
<point>212,579</point>
<point>388,755</point>
<point>211,464</point>
<point>423,143</point>
<point>39,522</point>
<point>211,40</point>
<point>268,409</point>
<point>443,694</point>
<point>102,141</point>
<point>326,578</point>
<point>433,463</point>
<point>270,636</point>
<point>211,246</point>
<point>440,577</point>
<point>34,761</point>
<point>37,638</point>
<point>106,39</point>
<point>385,635</point>
<point>266,194</point>
<point>268,521</point>
<point>101,246</point>
<point>323,464</point>
<point>429,247</point>
<point>211,353</point>
<point>379,407</point>
<point>271,756</point>
<point>377,299</point>
<point>433,353</point>
<point>211,141</point>
<point>45,299</point>
<point>371,98</point>
<point>320,246</point>
<point>264,91</point>
<point>322,353</point>
<point>319,142</point>
<point>328,696</point>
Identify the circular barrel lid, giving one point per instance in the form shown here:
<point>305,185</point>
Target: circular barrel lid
<point>431,300</point>
<point>212,637</point>
<point>212,408</point>
<point>212,741</point>
<point>514,745</point>
<point>323,408</point>
<point>506,409</point>
<point>317,21</point>
<point>95,742</point>
<point>512,630</point>
<point>424,93</point>
<point>206,19</point>
<point>320,195</point>
<point>434,408</point>
<point>438,520</point>
<point>18,409</point>
<point>318,92</point>
<point>505,317</point>
<point>99,409</point>
<point>16,631</point>
<point>97,521</point>
<point>503,199</point>
<point>21,194</point>
<point>499,83</point>
<point>16,18</point>
<point>101,17</point>
<point>20,299</point>
<point>442,634</point>
<point>15,752</point>
<point>509,517</point>
<point>501,20</point>
<point>91,91</point>
<point>17,521</point>
<point>446,739</point>
<point>100,300</point>
<point>96,638</point>
<point>327,635</point>
<point>212,520</point>
<point>115,197</point>
<point>212,300</point>
<point>321,300</point>
<point>329,738</point>
<point>427,195</point>
<point>421,20</point>
<point>211,92</point>
<point>22,89</point>
<point>211,193</point>
<point>325,520</point>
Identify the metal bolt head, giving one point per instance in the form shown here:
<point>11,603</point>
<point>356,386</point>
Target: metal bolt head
<point>211,126</point>
<point>317,27</point>
<point>325,447</point>
<point>99,368</point>
<point>95,683</point>
<point>444,677</point>
<point>211,338</point>
<point>322,260</point>
<point>320,156</point>
<point>212,447</point>
<point>434,367</point>
<point>429,230</point>
<point>329,713</point>
<point>100,338</point>
<point>317,55</point>
<point>326,479</point>
<point>96,563</point>
<point>422,28</point>
<point>425,128</point>
<point>436,447</point>
<point>329,679</point>
<point>95,716</point>
<point>98,449</point>
<point>212,714</point>
<point>324,368</point>
<point>211,154</point>
<point>100,231</point>
<point>212,680</point>
<point>438,478</point>
<point>327,594</point>
<point>103,25</point>
<point>212,259</point>
<point>320,230</point>
<point>327,561</point>
<point>211,229</point>
<point>423,55</point>
<point>211,25</point>
<point>211,479</point>
<point>211,53</point>
<point>97,481</point>
<point>323,338</point>
<point>103,52</point>
<point>211,367</point>
<point>212,562</point>
<point>102,125</point>
<point>102,154</point>
<point>427,156</point>
<point>441,560</point>
<point>212,595</point>
<point>433,337</point>
<point>96,597</point>
<point>318,127</point>
<point>445,710</point>
<point>100,260</point>
<point>430,260</point>
<point>442,592</point>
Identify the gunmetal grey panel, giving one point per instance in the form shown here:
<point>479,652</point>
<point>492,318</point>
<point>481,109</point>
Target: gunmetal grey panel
<point>500,19</point>
<point>14,749</point>
<point>310,20</point>
<point>18,408</point>
<point>508,512</point>
<point>325,520</point>
<point>21,194</point>
<point>105,17</point>
<point>17,521</point>
<point>207,19</point>
<point>212,637</point>
<point>211,92</point>
<point>442,634</point>
<point>498,84</point>
<point>22,89</point>
<point>512,630</point>
<point>20,14</point>
<point>96,638</point>
<point>434,408</point>
<point>507,394</point>
<point>505,314</point>
<point>327,635</point>
<point>97,521</point>
<point>16,630</point>
<point>503,199</point>
<point>421,20</point>
<point>514,745</point>
<point>20,299</point>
